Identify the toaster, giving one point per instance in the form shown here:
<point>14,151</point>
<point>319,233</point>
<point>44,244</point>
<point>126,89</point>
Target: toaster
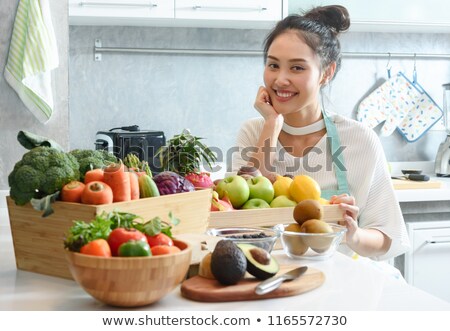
<point>130,139</point>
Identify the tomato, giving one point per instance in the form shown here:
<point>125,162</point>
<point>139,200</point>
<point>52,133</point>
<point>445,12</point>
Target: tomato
<point>134,248</point>
<point>164,249</point>
<point>159,239</point>
<point>119,236</point>
<point>97,247</point>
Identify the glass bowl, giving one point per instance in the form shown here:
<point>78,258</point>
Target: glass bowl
<point>258,236</point>
<point>312,246</point>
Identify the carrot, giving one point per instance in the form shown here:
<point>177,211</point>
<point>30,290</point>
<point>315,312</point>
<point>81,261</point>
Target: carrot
<point>93,175</point>
<point>119,181</point>
<point>71,192</point>
<point>97,193</point>
<point>134,185</point>
<point>164,249</point>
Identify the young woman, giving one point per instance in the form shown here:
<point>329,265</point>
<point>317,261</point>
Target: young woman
<point>295,134</point>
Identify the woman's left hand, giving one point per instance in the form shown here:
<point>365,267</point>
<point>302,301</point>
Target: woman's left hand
<point>350,216</point>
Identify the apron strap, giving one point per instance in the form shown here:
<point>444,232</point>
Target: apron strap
<point>335,145</point>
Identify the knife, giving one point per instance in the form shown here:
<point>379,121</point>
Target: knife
<point>273,283</point>
<point>414,177</point>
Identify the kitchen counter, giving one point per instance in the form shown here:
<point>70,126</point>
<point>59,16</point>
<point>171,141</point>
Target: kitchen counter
<point>349,285</point>
<point>421,195</point>
<point>416,195</point>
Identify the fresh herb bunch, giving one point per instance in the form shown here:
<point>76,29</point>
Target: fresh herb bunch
<point>184,153</point>
<point>82,232</point>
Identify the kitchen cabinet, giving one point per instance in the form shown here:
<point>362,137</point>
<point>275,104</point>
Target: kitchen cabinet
<point>231,10</point>
<point>386,15</point>
<point>426,264</point>
<point>177,13</point>
<point>116,12</point>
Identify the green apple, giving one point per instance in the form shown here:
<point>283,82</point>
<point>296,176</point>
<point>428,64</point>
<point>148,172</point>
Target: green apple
<point>282,201</point>
<point>237,190</point>
<point>255,203</point>
<point>261,188</point>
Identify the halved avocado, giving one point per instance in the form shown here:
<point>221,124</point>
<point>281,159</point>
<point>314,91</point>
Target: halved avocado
<point>259,262</point>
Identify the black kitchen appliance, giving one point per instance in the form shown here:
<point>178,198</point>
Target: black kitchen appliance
<point>130,139</point>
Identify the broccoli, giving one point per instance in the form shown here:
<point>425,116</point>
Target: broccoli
<point>41,172</point>
<point>92,159</point>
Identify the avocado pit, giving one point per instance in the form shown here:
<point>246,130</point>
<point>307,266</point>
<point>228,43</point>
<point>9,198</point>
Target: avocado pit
<point>260,263</point>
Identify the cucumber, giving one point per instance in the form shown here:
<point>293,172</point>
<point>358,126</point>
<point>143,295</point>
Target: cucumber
<point>147,187</point>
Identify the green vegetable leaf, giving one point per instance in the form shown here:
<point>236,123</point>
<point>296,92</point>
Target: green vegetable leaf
<point>45,203</point>
<point>184,153</point>
<point>122,219</point>
<point>82,232</point>
<point>173,219</point>
<point>156,225</point>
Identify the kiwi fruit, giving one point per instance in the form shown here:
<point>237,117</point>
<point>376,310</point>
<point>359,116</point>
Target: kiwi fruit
<point>319,244</point>
<point>306,210</point>
<point>294,243</point>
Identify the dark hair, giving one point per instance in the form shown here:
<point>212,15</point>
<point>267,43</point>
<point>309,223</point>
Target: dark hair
<point>319,28</point>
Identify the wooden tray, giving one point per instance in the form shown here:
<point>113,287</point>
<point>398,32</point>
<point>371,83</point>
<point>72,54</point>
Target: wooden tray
<point>38,242</point>
<point>265,216</point>
<point>210,290</point>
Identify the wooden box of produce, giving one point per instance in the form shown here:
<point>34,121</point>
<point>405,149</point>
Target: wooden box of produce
<point>265,217</point>
<point>38,241</point>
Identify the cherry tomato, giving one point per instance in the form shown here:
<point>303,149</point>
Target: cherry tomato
<point>119,236</point>
<point>97,247</point>
<point>159,239</point>
<point>164,249</point>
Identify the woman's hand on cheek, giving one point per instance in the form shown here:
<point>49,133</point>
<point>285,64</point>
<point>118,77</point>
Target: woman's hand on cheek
<point>263,105</point>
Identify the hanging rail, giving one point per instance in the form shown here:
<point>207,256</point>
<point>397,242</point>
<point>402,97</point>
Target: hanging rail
<point>99,49</point>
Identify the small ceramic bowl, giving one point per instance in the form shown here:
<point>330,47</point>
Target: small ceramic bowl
<point>261,237</point>
<point>313,246</point>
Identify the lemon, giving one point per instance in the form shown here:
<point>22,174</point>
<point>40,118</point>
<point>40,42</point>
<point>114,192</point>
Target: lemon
<point>324,201</point>
<point>281,186</point>
<point>304,187</point>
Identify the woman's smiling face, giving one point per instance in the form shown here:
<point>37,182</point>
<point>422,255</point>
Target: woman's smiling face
<point>292,74</point>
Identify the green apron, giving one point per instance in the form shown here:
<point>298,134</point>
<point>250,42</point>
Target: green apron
<point>335,144</point>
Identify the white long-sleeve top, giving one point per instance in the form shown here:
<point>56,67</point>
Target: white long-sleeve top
<point>367,175</point>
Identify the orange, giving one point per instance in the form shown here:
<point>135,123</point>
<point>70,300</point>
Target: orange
<point>304,187</point>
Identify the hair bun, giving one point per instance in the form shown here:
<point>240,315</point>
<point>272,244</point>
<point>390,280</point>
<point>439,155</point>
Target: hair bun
<point>335,17</point>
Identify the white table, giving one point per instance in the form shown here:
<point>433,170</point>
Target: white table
<point>349,285</point>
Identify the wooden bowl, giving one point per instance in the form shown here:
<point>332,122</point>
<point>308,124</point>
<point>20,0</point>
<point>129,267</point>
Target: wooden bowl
<point>130,281</point>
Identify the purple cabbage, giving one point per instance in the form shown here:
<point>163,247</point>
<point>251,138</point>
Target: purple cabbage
<point>169,182</point>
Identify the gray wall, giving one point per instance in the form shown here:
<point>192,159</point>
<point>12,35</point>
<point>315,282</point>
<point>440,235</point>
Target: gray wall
<point>213,95</point>
<point>14,116</point>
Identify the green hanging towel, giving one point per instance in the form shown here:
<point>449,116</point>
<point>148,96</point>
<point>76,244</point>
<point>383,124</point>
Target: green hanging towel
<point>32,55</point>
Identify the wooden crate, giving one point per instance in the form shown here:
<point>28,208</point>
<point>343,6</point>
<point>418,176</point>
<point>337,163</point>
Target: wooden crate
<point>265,216</point>
<point>38,241</point>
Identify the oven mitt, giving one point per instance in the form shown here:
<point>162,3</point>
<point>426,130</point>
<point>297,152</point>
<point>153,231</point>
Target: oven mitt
<point>389,103</point>
<point>421,117</point>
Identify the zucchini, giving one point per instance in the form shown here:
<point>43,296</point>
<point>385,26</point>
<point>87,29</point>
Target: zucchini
<point>147,187</point>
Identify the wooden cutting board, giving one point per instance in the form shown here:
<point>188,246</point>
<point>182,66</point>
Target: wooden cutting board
<point>210,290</point>
<point>400,184</point>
